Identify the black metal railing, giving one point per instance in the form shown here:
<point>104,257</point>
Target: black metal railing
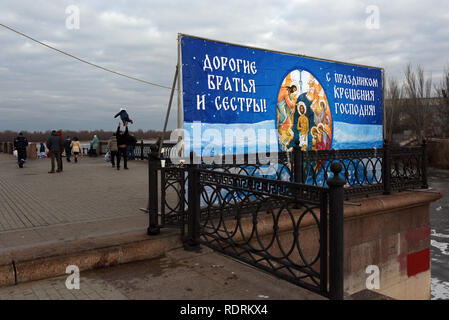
<point>275,166</point>
<point>236,211</point>
<point>366,171</point>
<point>224,211</point>
<point>173,196</point>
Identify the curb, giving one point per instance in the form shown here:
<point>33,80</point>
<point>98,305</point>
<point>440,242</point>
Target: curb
<point>44,262</point>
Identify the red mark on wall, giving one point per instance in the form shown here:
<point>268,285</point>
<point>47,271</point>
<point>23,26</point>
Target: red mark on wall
<point>418,262</point>
<point>418,234</point>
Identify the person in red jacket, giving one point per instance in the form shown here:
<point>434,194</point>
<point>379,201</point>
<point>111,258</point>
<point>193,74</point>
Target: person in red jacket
<point>59,132</point>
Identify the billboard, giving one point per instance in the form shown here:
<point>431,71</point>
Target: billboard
<point>240,99</point>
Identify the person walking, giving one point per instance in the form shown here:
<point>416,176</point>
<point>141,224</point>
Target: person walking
<point>54,145</point>
<point>21,144</point>
<point>67,148</point>
<point>122,141</point>
<point>76,148</point>
<point>95,142</point>
<point>59,132</point>
<point>113,149</point>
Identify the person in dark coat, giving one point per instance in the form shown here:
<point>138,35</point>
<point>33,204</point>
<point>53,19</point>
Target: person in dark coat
<point>131,145</point>
<point>122,142</point>
<point>59,132</point>
<point>55,145</point>
<point>21,144</point>
<point>67,148</point>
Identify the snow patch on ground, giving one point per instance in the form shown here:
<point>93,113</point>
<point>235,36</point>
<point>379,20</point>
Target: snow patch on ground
<point>438,235</point>
<point>443,247</point>
<point>439,289</point>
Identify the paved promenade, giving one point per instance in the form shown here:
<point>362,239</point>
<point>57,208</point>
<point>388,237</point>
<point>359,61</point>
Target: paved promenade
<point>88,199</point>
<point>177,275</point>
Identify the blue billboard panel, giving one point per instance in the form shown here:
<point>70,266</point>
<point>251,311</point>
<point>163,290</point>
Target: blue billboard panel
<point>257,99</point>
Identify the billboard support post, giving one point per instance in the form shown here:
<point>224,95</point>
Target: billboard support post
<point>384,131</point>
<point>169,108</point>
<point>180,107</point>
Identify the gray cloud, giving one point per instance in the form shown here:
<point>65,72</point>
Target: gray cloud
<point>41,89</point>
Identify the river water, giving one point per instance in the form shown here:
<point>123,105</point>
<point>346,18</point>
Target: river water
<point>439,238</point>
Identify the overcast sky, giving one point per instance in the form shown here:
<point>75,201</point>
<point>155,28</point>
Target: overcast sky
<point>41,89</point>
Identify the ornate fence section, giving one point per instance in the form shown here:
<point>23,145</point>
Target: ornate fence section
<point>362,168</point>
<point>408,168</point>
<point>275,166</point>
<point>366,171</point>
<point>254,220</point>
<point>278,226</point>
<point>173,196</point>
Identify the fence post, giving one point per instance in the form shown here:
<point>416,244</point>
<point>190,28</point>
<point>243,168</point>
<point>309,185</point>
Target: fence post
<point>194,193</point>
<point>424,164</point>
<point>298,163</point>
<point>336,227</point>
<point>386,168</point>
<point>141,150</point>
<point>153,168</point>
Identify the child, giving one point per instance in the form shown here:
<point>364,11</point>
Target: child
<point>123,116</point>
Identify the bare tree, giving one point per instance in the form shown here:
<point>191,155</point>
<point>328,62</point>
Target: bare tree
<point>442,90</point>
<point>392,107</point>
<point>417,92</point>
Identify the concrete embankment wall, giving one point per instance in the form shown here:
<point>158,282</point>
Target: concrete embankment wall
<point>393,233</point>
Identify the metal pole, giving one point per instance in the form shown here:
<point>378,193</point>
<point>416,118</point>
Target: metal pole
<point>336,229</point>
<point>386,168</point>
<point>193,233</point>
<point>168,109</point>
<point>323,242</point>
<point>142,156</point>
<point>424,165</point>
<point>153,166</point>
<point>180,106</point>
<point>297,169</point>
<point>384,131</point>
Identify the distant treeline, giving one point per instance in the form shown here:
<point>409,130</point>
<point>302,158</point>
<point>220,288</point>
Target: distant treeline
<point>83,135</point>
